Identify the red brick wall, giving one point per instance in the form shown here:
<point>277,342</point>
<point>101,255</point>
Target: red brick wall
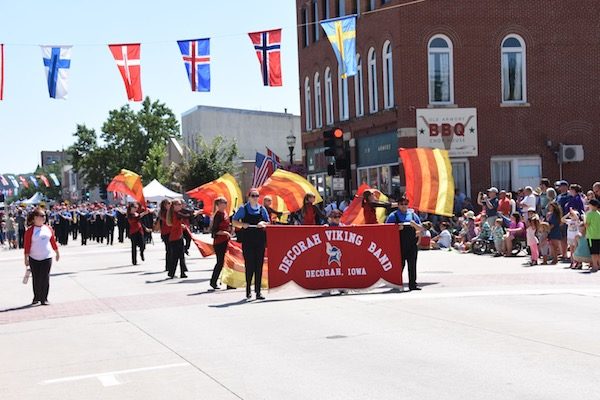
<point>563,75</point>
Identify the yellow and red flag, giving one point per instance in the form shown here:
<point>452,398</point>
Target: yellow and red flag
<point>234,272</point>
<point>290,187</point>
<point>353,215</point>
<point>225,186</point>
<point>128,183</point>
<point>429,181</point>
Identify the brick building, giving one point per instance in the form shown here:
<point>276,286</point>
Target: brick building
<point>526,69</point>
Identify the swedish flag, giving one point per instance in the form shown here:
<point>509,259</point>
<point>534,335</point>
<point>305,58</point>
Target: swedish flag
<point>341,32</point>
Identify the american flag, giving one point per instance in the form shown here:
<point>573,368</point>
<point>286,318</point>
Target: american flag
<point>264,168</point>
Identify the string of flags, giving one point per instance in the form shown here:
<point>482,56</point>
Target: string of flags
<point>8,183</point>
<point>341,33</point>
<point>196,58</point>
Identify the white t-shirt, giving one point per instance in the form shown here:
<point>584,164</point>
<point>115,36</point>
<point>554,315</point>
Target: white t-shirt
<point>572,228</point>
<point>445,239</point>
<point>527,203</point>
<point>41,248</point>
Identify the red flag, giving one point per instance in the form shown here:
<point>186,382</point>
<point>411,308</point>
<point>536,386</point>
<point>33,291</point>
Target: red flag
<point>206,249</point>
<point>45,180</point>
<point>23,181</point>
<point>127,57</point>
<point>267,45</point>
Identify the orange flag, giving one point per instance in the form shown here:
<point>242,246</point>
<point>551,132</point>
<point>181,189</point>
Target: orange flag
<point>225,186</point>
<point>290,187</point>
<point>429,180</point>
<point>206,249</point>
<point>353,215</point>
<point>234,272</point>
<point>129,183</point>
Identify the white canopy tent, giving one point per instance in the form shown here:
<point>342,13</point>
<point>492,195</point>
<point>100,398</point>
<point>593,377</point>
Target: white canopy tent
<point>156,192</point>
<point>35,199</point>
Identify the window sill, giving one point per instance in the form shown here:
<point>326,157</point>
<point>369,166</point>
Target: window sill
<point>442,105</point>
<point>517,105</point>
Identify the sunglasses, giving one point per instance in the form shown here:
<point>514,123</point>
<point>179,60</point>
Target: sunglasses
<point>255,195</point>
<point>403,204</point>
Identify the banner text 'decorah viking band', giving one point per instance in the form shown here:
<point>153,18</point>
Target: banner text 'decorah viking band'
<point>340,257</point>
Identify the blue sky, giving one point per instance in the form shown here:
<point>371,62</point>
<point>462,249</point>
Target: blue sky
<point>30,121</point>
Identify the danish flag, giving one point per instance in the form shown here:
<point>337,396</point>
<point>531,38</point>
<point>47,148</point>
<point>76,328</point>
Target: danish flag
<point>267,45</point>
<point>127,57</point>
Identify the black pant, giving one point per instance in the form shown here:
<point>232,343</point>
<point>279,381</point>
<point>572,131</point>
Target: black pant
<point>137,240</point>
<point>21,238</point>
<point>40,273</point>
<point>122,232</point>
<point>176,255</point>
<point>254,256</point>
<point>409,256</point>
<point>110,234</point>
<point>165,239</point>
<point>220,250</point>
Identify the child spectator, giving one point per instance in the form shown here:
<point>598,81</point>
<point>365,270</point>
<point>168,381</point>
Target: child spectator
<point>498,232</point>
<point>572,220</point>
<point>444,239</point>
<point>582,251</point>
<point>425,239</point>
<point>533,223</point>
<point>543,241</point>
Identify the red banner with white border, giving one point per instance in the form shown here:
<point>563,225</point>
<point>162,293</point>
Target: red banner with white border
<point>341,257</point>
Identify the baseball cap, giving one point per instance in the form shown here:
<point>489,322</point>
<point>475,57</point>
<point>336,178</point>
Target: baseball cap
<point>493,189</point>
<point>561,182</point>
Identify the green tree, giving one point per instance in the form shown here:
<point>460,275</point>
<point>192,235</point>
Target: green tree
<point>210,162</point>
<point>129,140</point>
<point>153,165</point>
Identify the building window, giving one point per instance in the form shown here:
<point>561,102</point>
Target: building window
<point>328,97</point>
<point>340,7</point>
<point>359,88</point>
<point>441,79</point>
<point>371,5</point>
<point>510,173</point>
<point>318,102</point>
<point>305,27</point>
<point>316,19</point>
<point>513,70</point>
<point>307,104</point>
<point>343,95</point>
<point>326,9</point>
<point>355,6</point>
<point>373,106</point>
<point>388,76</point>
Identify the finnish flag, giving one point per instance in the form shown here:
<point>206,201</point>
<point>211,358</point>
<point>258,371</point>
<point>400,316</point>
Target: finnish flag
<point>57,61</point>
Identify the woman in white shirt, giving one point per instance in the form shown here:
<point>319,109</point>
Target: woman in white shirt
<point>40,246</point>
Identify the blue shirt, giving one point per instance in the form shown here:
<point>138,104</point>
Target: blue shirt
<point>562,199</point>
<point>398,217</point>
<point>491,212</point>
<point>241,212</point>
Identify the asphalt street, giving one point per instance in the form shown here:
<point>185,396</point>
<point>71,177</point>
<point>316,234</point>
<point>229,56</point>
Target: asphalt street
<point>481,328</point>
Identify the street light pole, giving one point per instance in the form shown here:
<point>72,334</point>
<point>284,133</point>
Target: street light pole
<point>291,142</point>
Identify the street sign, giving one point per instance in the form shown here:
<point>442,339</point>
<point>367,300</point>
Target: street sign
<point>338,184</point>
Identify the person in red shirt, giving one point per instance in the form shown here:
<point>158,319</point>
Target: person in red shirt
<point>221,232</point>
<point>175,220</point>
<point>369,203</point>
<point>504,205</point>
<point>165,229</point>
<point>39,248</point>
<point>136,231</point>
<point>310,214</point>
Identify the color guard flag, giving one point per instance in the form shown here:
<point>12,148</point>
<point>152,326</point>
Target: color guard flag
<point>354,215</point>
<point>225,186</point>
<point>290,187</point>
<point>130,183</point>
<point>57,61</point>
<point>341,33</point>
<point>196,57</point>
<point>267,45</point>
<point>1,71</point>
<point>429,181</point>
<point>54,179</point>
<point>127,57</point>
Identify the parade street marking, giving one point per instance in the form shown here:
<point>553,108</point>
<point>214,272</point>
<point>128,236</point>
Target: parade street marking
<point>480,293</point>
<point>110,378</point>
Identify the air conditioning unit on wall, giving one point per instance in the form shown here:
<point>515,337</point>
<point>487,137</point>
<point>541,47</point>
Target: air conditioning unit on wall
<point>570,153</point>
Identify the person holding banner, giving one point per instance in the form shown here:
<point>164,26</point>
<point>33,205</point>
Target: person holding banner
<point>136,231</point>
<point>252,219</point>
<point>409,225</point>
<point>221,232</point>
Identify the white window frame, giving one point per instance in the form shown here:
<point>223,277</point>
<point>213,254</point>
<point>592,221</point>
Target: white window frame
<point>359,95</point>
<point>317,26</point>
<point>318,102</point>
<point>328,97</point>
<point>307,104</point>
<point>450,51</point>
<point>372,78</point>
<point>467,173</point>
<point>343,96</point>
<point>523,51</point>
<point>388,75</point>
<point>515,162</point>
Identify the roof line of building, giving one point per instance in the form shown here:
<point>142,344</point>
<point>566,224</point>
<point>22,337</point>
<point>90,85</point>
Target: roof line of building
<point>239,110</point>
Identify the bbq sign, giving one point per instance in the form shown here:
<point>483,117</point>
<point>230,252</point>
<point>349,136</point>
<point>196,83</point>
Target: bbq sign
<point>322,257</point>
<point>452,129</point>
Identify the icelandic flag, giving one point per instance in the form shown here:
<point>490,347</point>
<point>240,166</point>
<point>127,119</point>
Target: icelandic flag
<point>196,57</point>
<point>57,61</point>
<point>267,45</point>
<point>341,33</point>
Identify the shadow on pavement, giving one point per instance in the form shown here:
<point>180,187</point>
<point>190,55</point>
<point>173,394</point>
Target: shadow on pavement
<point>192,281</point>
<point>17,308</point>
<point>153,273</point>
<point>109,268</point>
<point>124,273</point>
<point>63,273</point>
<point>160,280</point>
<point>225,305</point>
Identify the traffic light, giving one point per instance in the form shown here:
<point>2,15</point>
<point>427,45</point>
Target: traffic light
<point>333,141</point>
<point>103,193</point>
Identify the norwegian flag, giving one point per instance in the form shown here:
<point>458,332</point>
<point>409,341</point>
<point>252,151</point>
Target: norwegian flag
<point>127,57</point>
<point>267,45</point>
<point>263,169</point>
<point>274,157</point>
<point>196,57</point>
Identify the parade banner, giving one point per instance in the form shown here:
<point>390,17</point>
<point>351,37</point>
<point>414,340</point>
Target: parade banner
<point>341,257</point>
